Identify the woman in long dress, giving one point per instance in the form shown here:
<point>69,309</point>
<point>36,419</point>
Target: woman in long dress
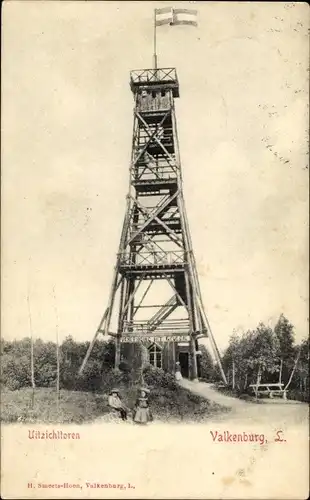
<point>142,413</point>
<point>178,374</point>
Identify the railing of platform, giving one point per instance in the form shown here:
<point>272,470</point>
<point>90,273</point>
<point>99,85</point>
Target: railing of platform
<point>176,326</point>
<point>155,258</point>
<point>153,75</point>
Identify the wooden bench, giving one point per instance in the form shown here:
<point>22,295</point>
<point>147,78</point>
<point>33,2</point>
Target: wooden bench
<point>268,390</point>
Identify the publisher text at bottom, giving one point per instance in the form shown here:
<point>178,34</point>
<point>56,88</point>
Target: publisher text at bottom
<point>88,484</point>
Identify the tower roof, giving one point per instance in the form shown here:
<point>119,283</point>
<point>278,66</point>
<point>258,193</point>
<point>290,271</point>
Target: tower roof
<point>160,77</point>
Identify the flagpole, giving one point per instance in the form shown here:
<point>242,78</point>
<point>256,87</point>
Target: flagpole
<point>155,55</point>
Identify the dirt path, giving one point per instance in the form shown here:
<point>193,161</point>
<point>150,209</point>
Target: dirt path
<point>208,391</point>
<point>278,411</point>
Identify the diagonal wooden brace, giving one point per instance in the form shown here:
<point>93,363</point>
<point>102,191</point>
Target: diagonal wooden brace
<point>158,210</point>
<point>172,235</point>
<point>153,136</point>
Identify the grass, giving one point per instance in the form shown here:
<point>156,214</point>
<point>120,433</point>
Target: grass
<point>167,404</point>
<point>74,406</point>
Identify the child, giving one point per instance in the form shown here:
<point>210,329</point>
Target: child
<point>142,413</point>
<point>115,402</point>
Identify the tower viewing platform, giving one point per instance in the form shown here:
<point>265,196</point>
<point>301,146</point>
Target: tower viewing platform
<point>164,78</point>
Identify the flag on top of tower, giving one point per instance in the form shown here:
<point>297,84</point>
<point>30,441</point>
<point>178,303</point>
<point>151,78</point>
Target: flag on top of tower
<point>174,17</point>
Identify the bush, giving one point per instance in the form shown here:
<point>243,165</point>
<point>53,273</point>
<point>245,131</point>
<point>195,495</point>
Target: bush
<point>114,378</point>
<point>156,377</point>
<point>298,395</point>
<point>15,371</point>
<point>124,366</point>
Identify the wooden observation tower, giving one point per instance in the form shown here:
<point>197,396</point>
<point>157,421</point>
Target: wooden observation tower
<point>155,296</point>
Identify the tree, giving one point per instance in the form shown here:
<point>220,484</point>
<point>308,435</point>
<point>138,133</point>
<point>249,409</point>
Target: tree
<point>284,331</point>
<point>237,360</point>
<point>252,355</point>
<point>300,377</point>
<point>265,351</point>
<point>15,371</point>
<point>16,363</point>
<point>72,355</point>
<point>45,363</point>
<point>303,369</point>
<point>206,364</point>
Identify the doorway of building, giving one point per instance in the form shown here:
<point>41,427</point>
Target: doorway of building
<point>183,359</point>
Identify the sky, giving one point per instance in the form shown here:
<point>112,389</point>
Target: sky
<point>67,114</point>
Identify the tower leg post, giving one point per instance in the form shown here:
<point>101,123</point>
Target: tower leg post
<point>193,371</point>
<point>117,353</point>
